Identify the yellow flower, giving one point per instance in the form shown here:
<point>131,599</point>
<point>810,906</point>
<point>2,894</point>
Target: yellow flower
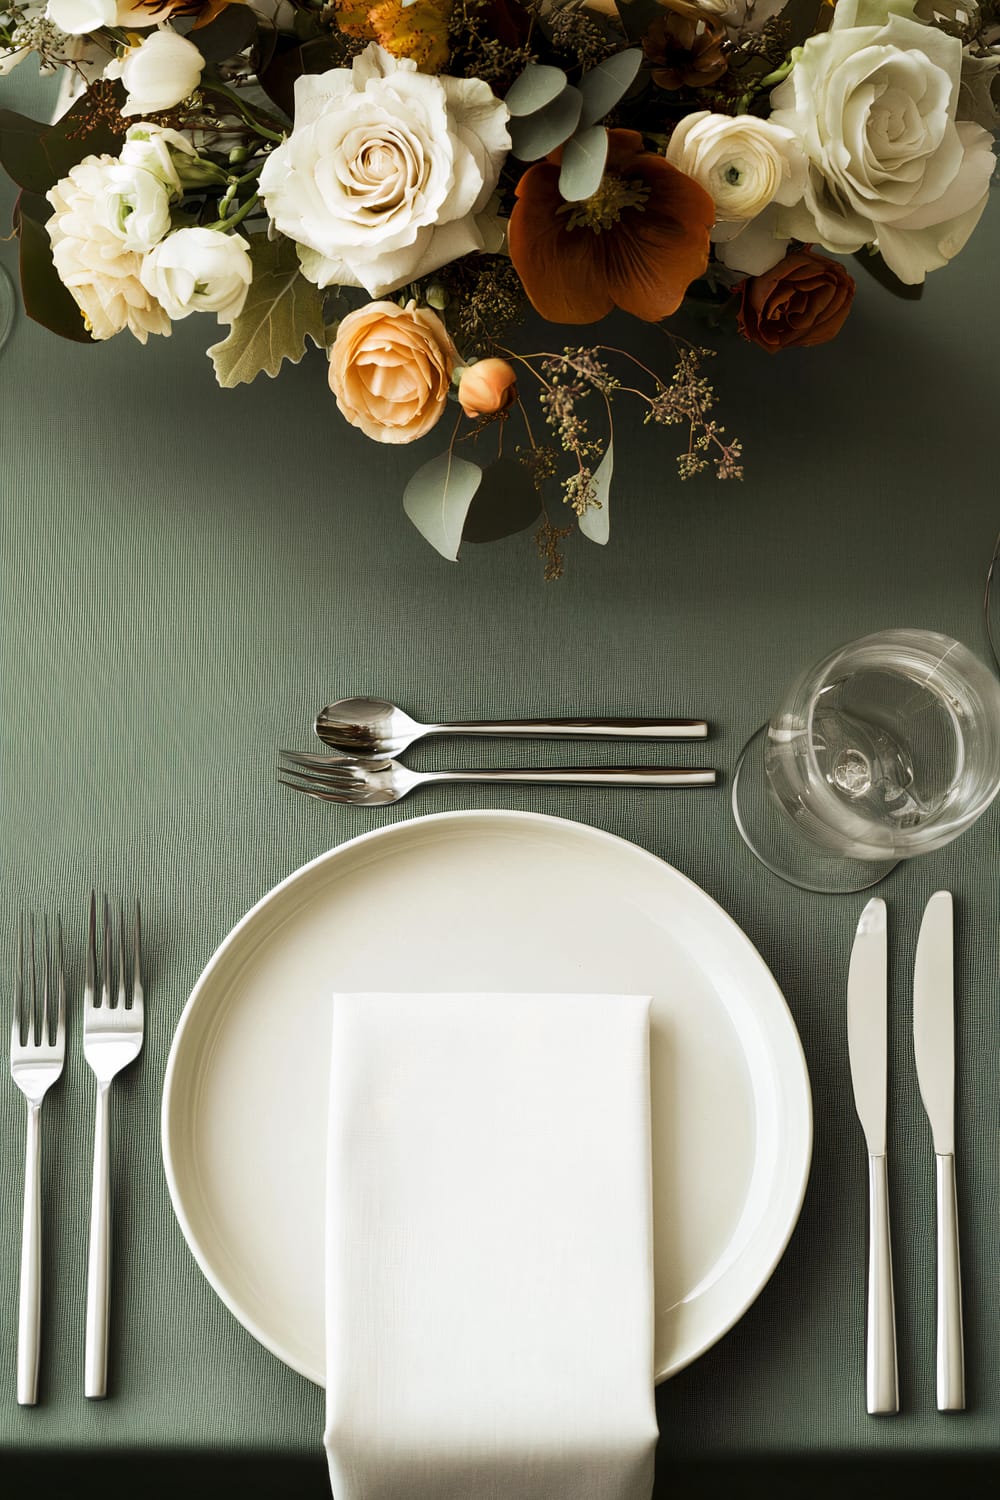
<point>418,31</point>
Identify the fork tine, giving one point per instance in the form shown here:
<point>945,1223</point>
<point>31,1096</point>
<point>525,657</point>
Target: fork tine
<point>17,1020</point>
<point>137,993</point>
<point>326,765</point>
<point>60,986</point>
<point>90,981</point>
<point>32,1030</point>
<point>106,956</point>
<point>320,778</point>
<point>121,957</point>
<point>44,1037</point>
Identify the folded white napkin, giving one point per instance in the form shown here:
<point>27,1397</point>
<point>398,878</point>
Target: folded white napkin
<point>489,1268</point>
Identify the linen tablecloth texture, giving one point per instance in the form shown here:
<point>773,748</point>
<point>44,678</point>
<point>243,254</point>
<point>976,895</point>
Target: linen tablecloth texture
<point>489,1264</point>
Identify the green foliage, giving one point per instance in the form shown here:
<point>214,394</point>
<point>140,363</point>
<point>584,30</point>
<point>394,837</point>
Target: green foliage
<point>281,312</point>
<point>437,500</point>
<point>45,298</point>
<point>595,522</point>
<point>36,155</point>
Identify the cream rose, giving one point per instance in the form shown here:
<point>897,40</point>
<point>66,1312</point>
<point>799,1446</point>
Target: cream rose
<point>199,270</point>
<point>391,369</point>
<point>159,73</point>
<point>97,244</point>
<point>873,101</point>
<point>386,171</point>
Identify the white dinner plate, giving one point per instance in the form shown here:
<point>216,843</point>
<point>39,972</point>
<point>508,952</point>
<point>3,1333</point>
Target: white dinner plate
<point>485,901</point>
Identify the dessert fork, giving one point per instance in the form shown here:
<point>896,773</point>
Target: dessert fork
<point>332,778</point>
<point>36,1061</point>
<point>112,1038</point>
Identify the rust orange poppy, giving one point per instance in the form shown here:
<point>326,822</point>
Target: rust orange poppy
<point>637,244</point>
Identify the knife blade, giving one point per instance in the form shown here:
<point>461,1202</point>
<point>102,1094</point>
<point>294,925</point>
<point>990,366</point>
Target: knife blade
<point>934,1051</point>
<point>867,1046</point>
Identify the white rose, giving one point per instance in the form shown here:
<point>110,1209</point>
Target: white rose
<point>199,270</point>
<point>79,17</point>
<point>874,106</point>
<point>159,73</point>
<point>92,256</point>
<point>154,149</point>
<point>386,172</point>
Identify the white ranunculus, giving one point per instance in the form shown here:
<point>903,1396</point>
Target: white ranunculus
<point>79,17</point>
<point>873,101</point>
<point>743,163</point>
<point>90,235</point>
<point>159,73</point>
<point>199,270</point>
<point>386,171</point>
<point>159,150</point>
<point>130,204</point>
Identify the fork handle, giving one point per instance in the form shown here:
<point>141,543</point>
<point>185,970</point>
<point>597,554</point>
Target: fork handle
<point>99,1256</point>
<point>590,776</point>
<point>628,729</point>
<point>29,1304</point>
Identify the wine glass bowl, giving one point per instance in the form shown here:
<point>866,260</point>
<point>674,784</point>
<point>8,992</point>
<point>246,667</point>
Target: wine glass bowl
<point>887,748</point>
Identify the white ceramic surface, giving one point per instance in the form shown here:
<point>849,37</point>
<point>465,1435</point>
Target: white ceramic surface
<point>493,900</point>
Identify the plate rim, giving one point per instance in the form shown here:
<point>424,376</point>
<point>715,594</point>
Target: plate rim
<point>371,835</point>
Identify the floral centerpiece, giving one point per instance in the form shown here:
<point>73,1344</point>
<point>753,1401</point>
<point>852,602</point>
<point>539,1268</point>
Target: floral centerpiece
<point>399,182</point>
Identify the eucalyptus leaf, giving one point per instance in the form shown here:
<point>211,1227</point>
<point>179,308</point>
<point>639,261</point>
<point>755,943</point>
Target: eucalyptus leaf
<point>603,86</point>
<point>596,523</point>
<point>506,502</point>
<point>534,136</point>
<point>282,310</point>
<point>583,160</point>
<point>533,89</point>
<point>437,500</point>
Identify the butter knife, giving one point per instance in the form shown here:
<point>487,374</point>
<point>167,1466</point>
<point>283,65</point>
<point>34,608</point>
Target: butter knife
<point>867,1002</point>
<point>934,1049</point>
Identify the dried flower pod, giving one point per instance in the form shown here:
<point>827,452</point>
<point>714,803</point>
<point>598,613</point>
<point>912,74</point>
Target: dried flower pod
<point>686,45</point>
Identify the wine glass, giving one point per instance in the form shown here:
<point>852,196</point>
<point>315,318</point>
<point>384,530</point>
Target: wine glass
<point>991,603</point>
<point>887,748</point>
<point>8,304</point>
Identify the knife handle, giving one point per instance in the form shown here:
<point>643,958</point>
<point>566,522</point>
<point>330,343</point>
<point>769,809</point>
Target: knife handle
<point>950,1342</point>
<point>882,1379</point>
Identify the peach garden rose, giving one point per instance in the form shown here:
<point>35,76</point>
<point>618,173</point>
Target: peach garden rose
<point>391,369</point>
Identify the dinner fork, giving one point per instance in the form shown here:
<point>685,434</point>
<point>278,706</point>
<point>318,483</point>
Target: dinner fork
<point>36,1061</point>
<point>334,778</point>
<point>112,1038</point>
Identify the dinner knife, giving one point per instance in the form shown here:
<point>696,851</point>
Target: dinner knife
<point>934,1049</point>
<point>867,1002</point>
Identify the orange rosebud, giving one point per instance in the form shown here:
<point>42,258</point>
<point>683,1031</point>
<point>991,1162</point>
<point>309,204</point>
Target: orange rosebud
<point>800,302</point>
<point>487,386</point>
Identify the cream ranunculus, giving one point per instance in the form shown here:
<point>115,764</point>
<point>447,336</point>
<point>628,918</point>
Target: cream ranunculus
<point>391,369</point>
<point>97,247</point>
<point>79,17</point>
<point>873,101</point>
<point>385,172</point>
<point>159,73</point>
<point>199,270</point>
<point>159,150</point>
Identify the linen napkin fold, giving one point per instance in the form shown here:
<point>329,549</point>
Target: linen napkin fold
<point>489,1270</point>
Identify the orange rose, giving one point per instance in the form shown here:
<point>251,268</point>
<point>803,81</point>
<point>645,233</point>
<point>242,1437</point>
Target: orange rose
<point>390,370</point>
<point>487,386</point>
<point>801,301</point>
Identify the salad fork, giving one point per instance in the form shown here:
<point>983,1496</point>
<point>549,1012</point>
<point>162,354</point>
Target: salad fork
<point>332,778</point>
<point>112,1038</point>
<point>36,1061</point>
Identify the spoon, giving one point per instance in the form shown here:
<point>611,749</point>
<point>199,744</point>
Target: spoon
<point>369,726</point>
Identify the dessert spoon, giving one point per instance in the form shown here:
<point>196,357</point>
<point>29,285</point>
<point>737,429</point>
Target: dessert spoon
<point>370,726</point>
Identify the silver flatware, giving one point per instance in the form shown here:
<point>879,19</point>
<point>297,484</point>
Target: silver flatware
<point>37,1050</point>
<point>370,726</point>
<point>867,1001</point>
<point>934,1050</point>
<point>332,778</point>
<point>112,1038</point>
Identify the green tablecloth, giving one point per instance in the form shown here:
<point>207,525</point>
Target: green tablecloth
<point>188,574</point>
